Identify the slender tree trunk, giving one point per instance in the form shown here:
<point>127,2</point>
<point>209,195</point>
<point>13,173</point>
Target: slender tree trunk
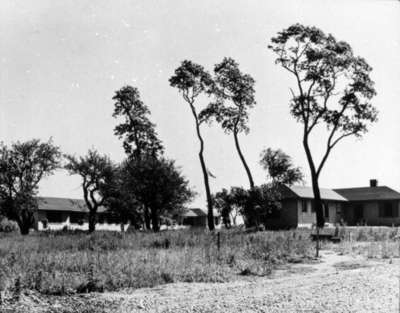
<point>315,186</point>
<point>155,221</point>
<point>246,167</point>
<point>147,220</point>
<point>92,220</point>
<point>210,213</point>
<point>255,219</point>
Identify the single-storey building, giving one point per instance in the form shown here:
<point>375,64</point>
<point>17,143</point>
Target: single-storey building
<point>56,213</point>
<point>196,217</point>
<point>373,205</point>
<point>298,209</point>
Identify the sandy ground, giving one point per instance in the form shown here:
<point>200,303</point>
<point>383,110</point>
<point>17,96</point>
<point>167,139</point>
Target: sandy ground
<point>337,284</point>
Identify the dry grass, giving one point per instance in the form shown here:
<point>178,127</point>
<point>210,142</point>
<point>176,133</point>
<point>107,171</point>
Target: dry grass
<point>43,265</point>
<point>370,242</point>
<point>64,263</point>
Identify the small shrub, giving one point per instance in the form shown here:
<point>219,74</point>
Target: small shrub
<point>7,226</point>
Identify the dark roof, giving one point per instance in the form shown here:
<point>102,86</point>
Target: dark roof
<point>304,192</point>
<point>369,193</point>
<point>194,212</point>
<point>64,205</point>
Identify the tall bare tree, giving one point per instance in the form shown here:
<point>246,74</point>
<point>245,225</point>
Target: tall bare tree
<point>334,88</point>
<point>234,92</point>
<point>192,81</point>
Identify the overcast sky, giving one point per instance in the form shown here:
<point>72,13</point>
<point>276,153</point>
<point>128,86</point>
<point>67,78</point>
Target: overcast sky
<point>61,62</point>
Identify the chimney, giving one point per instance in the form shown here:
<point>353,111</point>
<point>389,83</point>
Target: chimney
<point>373,183</point>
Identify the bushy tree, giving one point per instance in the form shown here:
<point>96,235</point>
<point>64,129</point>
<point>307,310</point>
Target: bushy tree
<point>334,88</point>
<point>95,170</point>
<point>138,132</point>
<point>280,167</point>
<point>230,203</point>
<point>119,200</point>
<point>223,203</point>
<point>140,141</point>
<point>158,185</point>
<point>256,205</point>
<point>234,93</point>
<point>22,167</point>
<point>192,81</point>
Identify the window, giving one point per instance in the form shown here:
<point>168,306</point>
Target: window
<point>388,209</point>
<point>338,209</point>
<point>312,206</point>
<point>304,208</point>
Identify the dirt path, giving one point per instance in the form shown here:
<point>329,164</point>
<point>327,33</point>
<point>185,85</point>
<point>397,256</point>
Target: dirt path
<point>338,284</point>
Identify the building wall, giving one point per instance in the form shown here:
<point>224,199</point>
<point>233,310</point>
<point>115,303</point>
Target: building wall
<point>287,216</point>
<point>370,212</point>
<point>64,220</point>
<point>309,217</point>
<point>198,221</point>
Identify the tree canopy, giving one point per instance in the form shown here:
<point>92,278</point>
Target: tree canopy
<point>192,81</point>
<point>138,132</point>
<point>157,184</point>
<point>95,170</point>
<point>280,167</point>
<point>334,89</point>
<point>22,167</point>
<point>234,96</point>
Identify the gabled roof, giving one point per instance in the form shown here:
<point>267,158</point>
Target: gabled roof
<point>369,193</point>
<point>64,205</point>
<point>194,212</point>
<point>304,192</point>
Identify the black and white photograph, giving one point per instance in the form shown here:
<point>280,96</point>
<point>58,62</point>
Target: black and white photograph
<point>179,156</point>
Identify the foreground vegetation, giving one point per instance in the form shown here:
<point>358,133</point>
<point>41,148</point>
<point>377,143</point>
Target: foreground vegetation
<point>74,262</point>
<point>44,265</point>
<point>62,263</point>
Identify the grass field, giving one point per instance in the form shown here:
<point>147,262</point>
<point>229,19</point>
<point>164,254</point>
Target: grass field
<point>63,263</point>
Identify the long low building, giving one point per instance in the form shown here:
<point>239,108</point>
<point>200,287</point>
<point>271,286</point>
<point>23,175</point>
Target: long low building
<point>57,213</point>
<point>373,205</point>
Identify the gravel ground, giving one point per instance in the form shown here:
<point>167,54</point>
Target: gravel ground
<point>338,284</point>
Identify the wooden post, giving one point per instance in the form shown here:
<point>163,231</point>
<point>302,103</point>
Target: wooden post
<point>218,241</point>
<point>317,243</point>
